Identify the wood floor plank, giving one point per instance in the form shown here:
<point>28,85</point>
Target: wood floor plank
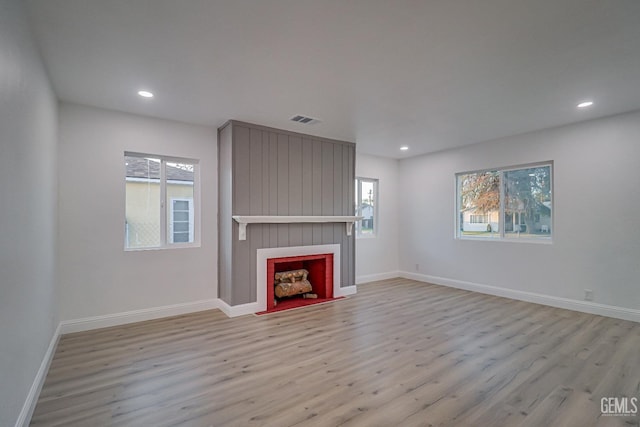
<point>399,352</point>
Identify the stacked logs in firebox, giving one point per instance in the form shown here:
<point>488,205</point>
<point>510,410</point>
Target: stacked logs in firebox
<point>291,283</point>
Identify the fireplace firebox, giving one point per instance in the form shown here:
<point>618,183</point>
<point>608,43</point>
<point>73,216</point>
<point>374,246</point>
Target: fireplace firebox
<point>320,268</point>
<point>322,262</point>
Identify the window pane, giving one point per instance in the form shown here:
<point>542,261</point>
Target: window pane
<point>180,191</point>
<point>181,238</point>
<point>142,202</point>
<point>366,199</point>
<point>479,204</point>
<point>181,205</point>
<point>527,204</point>
<point>181,216</point>
<point>367,207</point>
<point>180,227</point>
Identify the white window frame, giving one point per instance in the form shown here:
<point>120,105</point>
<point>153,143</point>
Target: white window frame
<point>166,242</point>
<point>501,237</point>
<point>376,198</point>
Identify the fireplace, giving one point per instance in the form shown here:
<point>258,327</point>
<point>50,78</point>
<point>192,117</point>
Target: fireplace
<point>320,275</point>
<point>280,189</point>
<point>321,261</point>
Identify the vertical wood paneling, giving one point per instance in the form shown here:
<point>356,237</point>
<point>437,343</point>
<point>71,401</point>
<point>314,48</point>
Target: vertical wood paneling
<point>265,184</point>
<point>256,195</point>
<point>339,184</point>
<point>241,184</point>
<point>327,189</point>
<point>344,259</point>
<point>295,189</point>
<point>338,190</point>
<point>278,173</point>
<point>307,188</point>
<point>318,234</point>
<point>255,172</point>
<point>317,190</point>
<point>255,243</point>
<point>241,190</point>
<point>327,178</point>
<point>295,175</point>
<point>241,292</point>
<point>349,188</point>
<point>273,187</point>
<point>283,175</point>
<point>307,177</point>
<point>283,187</point>
<point>225,223</point>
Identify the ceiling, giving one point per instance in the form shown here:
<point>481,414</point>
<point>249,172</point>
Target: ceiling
<point>429,74</point>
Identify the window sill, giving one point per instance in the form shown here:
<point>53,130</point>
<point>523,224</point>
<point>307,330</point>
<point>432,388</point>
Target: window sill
<point>366,236</point>
<point>548,241</point>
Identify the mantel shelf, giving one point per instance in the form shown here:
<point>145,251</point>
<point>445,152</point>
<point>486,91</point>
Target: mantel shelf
<point>243,220</point>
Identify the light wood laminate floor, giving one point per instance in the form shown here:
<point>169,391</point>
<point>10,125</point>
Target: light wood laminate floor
<point>399,353</point>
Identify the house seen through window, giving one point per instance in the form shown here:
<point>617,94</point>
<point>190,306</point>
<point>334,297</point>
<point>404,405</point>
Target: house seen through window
<point>510,203</point>
<point>159,201</point>
<point>366,206</point>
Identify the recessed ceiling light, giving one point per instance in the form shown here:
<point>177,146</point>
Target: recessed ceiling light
<point>145,94</point>
<point>585,104</point>
<point>404,148</point>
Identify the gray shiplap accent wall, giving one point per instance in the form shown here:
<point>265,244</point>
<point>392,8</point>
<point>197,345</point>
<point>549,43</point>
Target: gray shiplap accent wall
<point>276,172</point>
<point>225,193</point>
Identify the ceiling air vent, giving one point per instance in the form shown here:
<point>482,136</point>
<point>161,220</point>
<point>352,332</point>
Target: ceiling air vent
<point>304,120</point>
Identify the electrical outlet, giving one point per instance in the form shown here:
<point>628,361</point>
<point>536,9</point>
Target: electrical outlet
<point>588,295</point>
<point>417,267</point>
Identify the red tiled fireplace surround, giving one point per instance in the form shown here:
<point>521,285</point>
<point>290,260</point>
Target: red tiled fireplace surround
<point>322,262</point>
<point>320,267</point>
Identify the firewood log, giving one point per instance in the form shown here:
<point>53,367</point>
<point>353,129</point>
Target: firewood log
<point>291,276</point>
<point>289,289</point>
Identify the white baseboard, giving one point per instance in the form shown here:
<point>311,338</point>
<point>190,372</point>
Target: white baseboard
<point>344,291</point>
<point>559,302</point>
<point>379,276</point>
<point>107,320</point>
<point>238,310</point>
<point>24,418</point>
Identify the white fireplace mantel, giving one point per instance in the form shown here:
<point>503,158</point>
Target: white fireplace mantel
<point>243,220</point>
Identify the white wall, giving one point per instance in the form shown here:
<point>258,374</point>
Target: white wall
<point>27,211</point>
<point>97,277</point>
<point>596,236</point>
<point>377,257</point>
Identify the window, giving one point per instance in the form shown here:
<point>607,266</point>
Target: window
<point>479,219</point>
<point>181,221</point>
<point>367,206</point>
<point>511,203</point>
<point>159,201</point>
